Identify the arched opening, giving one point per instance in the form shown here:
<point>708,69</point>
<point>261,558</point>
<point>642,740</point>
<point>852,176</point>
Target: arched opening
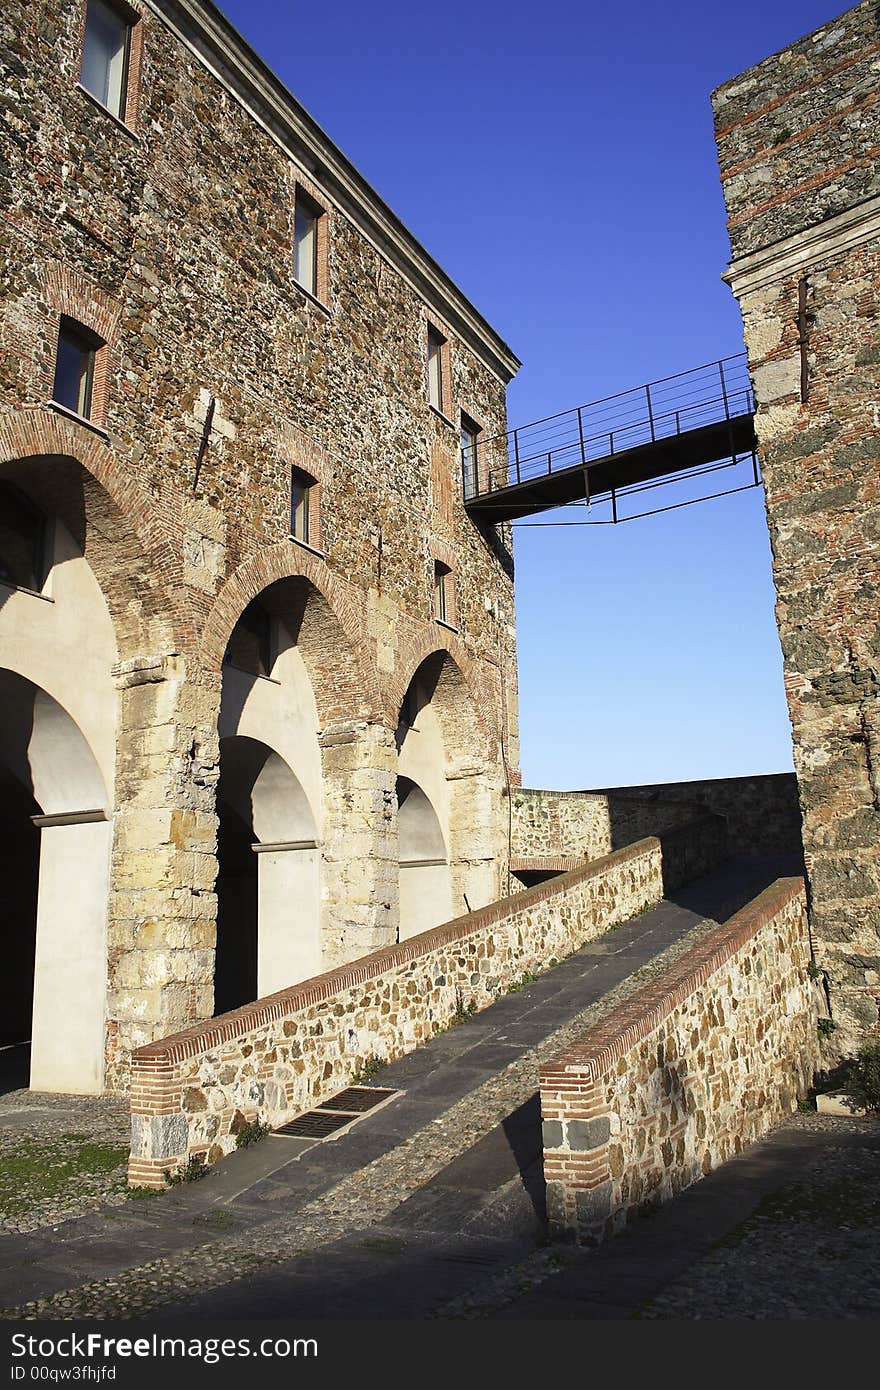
<point>425,897</point>
<point>268,803</point>
<point>56,851</point>
<point>442,749</point>
<point>267,885</point>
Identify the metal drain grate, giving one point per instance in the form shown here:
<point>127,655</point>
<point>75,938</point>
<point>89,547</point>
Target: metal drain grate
<point>337,1114</point>
<point>358,1099</point>
<point>315,1124</point>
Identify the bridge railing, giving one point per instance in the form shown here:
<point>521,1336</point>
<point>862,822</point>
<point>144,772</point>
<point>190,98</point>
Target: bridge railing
<point>675,405</point>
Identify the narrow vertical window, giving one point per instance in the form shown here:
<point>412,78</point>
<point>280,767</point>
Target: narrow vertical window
<point>436,343</point>
<point>305,242</point>
<point>470,434</point>
<point>105,55</point>
<point>75,368</point>
<point>441,591</point>
<point>300,501</point>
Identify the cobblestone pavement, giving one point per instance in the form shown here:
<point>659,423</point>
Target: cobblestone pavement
<point>433,1206</point>
<point>60,1157</point>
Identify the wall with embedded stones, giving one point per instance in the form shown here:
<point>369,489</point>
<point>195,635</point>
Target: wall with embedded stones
<point>271,1060</point>
<point>685,1073</point>
<point>169,235</point>
<point>558,823</point>
<point>798,137</point>
<point>761,813</point>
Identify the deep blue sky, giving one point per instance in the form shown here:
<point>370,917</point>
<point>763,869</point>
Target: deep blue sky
<point>558,161</point>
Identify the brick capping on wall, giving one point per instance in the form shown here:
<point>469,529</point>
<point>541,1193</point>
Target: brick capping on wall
<point>603,1045</point>
<point>684,1073</point>
<point>545,863</point>
<point>201,1037</point>
<point>286,1052</point>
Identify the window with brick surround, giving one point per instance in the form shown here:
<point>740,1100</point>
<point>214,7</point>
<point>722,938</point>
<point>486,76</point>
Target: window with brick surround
<point>437,348</point>
<point>75,359</point>
<point>303,507</point>
<point>309,233</point>
<point>442,592</point>
<point>470,438</point>
<point>106,57</point>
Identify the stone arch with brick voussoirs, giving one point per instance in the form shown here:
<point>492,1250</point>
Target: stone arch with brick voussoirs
<point>70,471</point>
<point>159,923</point>
<point>343,753</point>
<point>447,748</point>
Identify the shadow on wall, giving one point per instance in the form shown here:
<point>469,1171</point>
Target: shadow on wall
<point>762,813</point>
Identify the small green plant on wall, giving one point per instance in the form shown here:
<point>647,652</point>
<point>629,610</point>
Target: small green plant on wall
<point>191,1171</point>
<point>862,1083</point>
<point>825,1027</point>
<point>251,1133</point>
<point>371,1067</point>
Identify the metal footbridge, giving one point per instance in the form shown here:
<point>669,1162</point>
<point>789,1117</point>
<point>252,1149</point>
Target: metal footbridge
<point>686,426</point>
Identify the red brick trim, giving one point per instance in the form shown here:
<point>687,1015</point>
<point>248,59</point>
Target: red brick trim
<point>868,160</point>
<point>447,404</point>
<point>131,516</point>
<point>133,11</point>
<point>135,68</point>
<point>761,152</point>
<point>358,697</point>
<point>601,1047</point>
<point>760,111</point>
<point>308,458</point>
<point>73,296</point>
<point>444,554</point>
<point>42,433</point>
<point>323,229</point>
<point>213,1032</point>
<point>546,863</point>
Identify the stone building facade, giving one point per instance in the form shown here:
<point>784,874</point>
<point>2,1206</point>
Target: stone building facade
<point>257,669</point>
<point>798,139</point>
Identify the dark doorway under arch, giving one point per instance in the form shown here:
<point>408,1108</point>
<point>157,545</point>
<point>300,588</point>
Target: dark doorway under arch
<point>19,874</point>
<point>235,970</point>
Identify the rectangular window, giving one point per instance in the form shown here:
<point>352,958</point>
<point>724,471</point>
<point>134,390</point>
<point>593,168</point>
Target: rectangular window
<point>105,55</point>
<point>441,591</point>
<point>436,344</point>
<point>470,434</point>
<point>74,368</point>
<point>300,487</point>
<point>306,216</point>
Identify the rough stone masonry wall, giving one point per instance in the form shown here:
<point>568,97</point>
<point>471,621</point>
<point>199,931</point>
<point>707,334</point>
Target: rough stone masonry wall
<point>761,813</point>
<point>170,236</point>
<point>685,1073</point>
<point>798,142</point>
<point>558,823</point>
<point>284,1054</point>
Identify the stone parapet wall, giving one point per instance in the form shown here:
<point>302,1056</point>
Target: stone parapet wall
<point>762,812</point>
<point>559,823</point>
<point>282,1055</point>
<point>685,1073</point>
